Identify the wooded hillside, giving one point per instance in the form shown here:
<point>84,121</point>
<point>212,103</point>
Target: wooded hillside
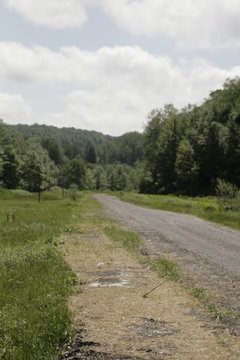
<point>184,151</point>
<point>188,151</point>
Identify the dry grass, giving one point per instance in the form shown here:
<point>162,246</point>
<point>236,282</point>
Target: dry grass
<point>110,303</point>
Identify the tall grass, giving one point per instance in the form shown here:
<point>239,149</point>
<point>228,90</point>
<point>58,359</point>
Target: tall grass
<point>207,208</point>
<point>34,280</point>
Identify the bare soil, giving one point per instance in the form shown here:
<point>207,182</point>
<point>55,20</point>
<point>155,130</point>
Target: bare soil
<point>115,321</point>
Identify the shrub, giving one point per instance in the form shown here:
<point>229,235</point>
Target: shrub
<point>225,190</point>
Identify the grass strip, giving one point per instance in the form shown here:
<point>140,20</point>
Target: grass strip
<point>129,240</point>
<point>165,268</point>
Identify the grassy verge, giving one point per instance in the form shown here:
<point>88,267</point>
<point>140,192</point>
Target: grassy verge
<point>129,240</point>
<point>133,243</point>
<point>35,282</point>
<point>207,300</point>
<point>204,207</point>
<point>165,268</point>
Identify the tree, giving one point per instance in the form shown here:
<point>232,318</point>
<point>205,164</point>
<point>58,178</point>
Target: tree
<point>38,171</point>
<point>90,179</point>
<point>100,177</point>
<point>54,148</point>
<point>10,167</point>
<point>232,154</point>
<point>74,172</point>
<point>91,155</point>
<point>186,168</point>
<point>151,135</point>
<point>161,140</point>
<point>1,164</point>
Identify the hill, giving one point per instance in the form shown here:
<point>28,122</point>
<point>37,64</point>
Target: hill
<point>92,146</point>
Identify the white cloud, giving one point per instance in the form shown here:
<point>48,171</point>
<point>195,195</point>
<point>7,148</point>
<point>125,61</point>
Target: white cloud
<point>109,90</point>
<point>202,24</point>
<point>14,109</point>
<point>41,65</point>
<point>191,23</point>
<point>51,13</point>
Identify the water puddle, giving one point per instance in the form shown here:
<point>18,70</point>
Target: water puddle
<point>120,278</point>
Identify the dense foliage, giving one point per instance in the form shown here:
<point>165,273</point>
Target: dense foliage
<point>188,151</point>
<point>37,157</point>
<point>183,152</point>
<point>91,146</point>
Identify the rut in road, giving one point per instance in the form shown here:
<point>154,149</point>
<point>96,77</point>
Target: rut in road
<point>208,252</point>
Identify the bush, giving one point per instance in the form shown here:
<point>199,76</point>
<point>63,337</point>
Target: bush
<point>225,190</point>
<point>228,195</point>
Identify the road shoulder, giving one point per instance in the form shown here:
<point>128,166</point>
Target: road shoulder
<point>113,318</point>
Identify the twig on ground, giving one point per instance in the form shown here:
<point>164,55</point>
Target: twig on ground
<point>155,288</point>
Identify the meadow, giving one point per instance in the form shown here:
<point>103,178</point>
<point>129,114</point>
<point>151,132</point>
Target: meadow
<point>35,281</point>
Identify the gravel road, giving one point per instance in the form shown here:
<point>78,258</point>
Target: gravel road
<point>218,245</point>
<point>208,252</point>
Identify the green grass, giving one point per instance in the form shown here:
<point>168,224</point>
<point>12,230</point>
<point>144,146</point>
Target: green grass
<point>165,268</point>
<point>207,300</point>
<point>207,208</point>
<point>129,240</point>
<point>35,282</point>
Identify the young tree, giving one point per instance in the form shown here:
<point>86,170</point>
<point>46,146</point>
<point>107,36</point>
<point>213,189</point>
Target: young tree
<point>38,171</point>
<point>74,172</point>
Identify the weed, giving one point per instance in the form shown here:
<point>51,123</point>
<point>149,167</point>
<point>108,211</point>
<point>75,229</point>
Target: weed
<point>165,268</point>
<point>200,293</point>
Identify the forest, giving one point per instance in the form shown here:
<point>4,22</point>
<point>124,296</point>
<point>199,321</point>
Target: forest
<point>185,151</point>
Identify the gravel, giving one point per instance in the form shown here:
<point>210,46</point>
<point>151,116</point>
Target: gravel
<point>208,253</point>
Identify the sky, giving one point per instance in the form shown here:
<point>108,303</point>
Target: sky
<point>103,65</point>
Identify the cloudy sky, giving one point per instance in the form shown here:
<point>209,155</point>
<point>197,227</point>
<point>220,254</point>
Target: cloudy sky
<point>105,64</point>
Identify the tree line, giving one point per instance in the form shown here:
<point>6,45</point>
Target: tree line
<point>91,146</point>
<point>38,157</point>
<point>189,151</point>
<point>184,151</point>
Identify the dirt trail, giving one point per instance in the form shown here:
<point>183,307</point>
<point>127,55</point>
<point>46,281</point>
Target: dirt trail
<point>115,321</point>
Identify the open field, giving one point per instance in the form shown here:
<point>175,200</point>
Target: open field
<point>35,282</point>
<point>207,208</point>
